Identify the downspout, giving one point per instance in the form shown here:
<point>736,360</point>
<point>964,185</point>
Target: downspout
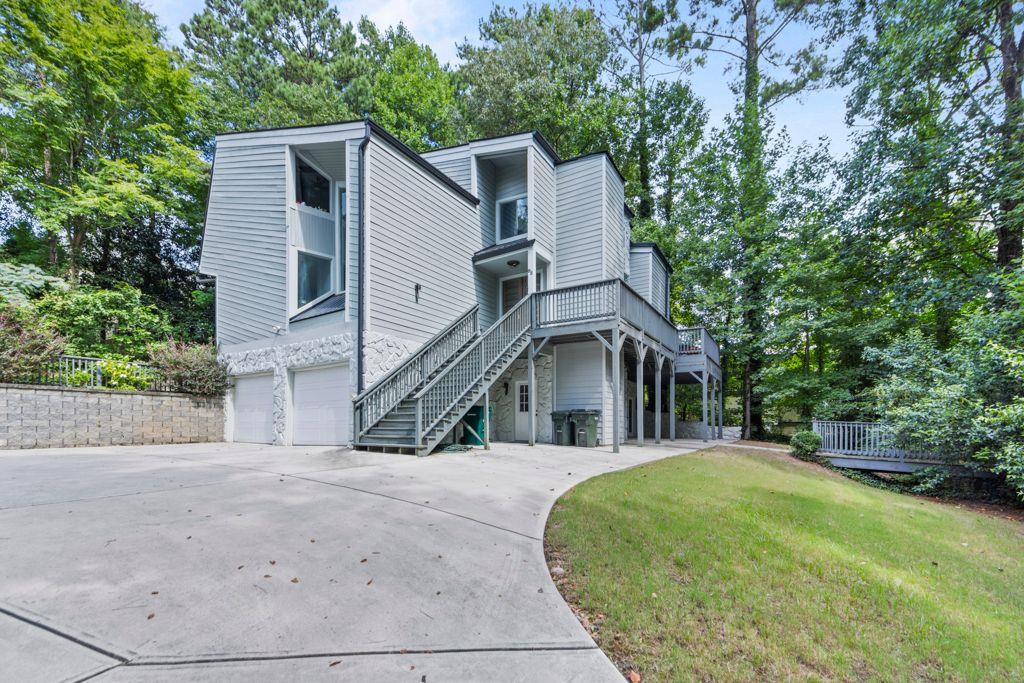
<point>360,305</point>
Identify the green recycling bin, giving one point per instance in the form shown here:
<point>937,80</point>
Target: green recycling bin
<point>475,419</point>
<point>584,425</point>
<point>560,433</point>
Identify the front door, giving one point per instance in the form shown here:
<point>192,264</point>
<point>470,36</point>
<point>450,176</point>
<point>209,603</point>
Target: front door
<point>522,411</point>
<point>512,292</point>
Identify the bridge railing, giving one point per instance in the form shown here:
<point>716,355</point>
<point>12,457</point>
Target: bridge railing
<point>871,440</point>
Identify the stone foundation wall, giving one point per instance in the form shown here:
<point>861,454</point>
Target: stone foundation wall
<point>49,417</point>
<point>504,407</point>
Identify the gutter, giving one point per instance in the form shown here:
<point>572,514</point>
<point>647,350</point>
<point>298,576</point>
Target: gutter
<point>360,304</point>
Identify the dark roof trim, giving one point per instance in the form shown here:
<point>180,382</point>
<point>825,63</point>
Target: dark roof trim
<point>422,163</point>
<point>657,250</point>
<point>537,137</point>
<point>331,304</point>
<point>499,249</point>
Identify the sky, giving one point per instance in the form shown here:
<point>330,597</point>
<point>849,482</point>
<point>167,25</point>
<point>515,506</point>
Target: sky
<point>443,24</point>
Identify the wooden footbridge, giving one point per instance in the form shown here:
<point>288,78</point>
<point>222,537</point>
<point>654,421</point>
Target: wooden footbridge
<point>871,446</point>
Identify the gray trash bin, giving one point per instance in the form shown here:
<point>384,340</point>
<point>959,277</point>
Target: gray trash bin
<point>560,434</point>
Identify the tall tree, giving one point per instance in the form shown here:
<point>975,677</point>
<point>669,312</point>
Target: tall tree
<point>270,63</point>
<point>95,118</point>
<point>541,68</point>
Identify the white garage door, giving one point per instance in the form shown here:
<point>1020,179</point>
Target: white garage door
<point>254,409</point>
<point>322,403</point>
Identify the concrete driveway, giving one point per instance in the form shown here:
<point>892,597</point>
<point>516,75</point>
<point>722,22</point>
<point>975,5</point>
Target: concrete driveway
<point>233,561</point>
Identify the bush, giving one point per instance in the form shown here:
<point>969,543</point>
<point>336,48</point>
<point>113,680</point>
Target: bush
<point>119,374</point>
<point>190,368</point>
<point>804,445</point>
<point>27,347</point>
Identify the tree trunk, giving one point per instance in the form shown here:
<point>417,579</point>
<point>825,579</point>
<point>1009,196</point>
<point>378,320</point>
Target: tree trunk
<point>1009,229</point>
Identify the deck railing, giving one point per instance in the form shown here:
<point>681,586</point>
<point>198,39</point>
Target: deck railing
<point>696,340</point>
<point>872,440</point>
<point>388,391</point>
<point>602,300</point>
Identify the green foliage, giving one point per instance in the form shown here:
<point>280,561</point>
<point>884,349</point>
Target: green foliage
<point>20,283</point>
<point>541,68</point>
<point>119,374</point>
<point>105,322</point>
<point>27,347</point>
<point>804,445</point>
<point>191,369</point>
<point>79,378</point>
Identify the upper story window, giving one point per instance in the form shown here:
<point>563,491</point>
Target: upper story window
<point>512,215</point>
<point>312,189</point>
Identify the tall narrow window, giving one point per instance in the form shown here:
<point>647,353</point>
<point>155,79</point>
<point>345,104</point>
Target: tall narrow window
<point>312,189</point>
<point>512,218</point>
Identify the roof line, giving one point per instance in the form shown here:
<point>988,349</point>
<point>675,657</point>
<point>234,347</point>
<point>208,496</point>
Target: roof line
<point>274,128</point>
<point>657,250</point>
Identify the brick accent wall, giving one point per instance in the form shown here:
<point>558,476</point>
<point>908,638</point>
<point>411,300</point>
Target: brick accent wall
<point>46,417</point>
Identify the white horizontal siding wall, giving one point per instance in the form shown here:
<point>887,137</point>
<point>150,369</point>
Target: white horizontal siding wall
<point>245,240</point>
<point>640,271</point>
<point>615,250</point>
<point>578,220</point>
<point>418,231</point>
<point>542,201</point>
<point>454,162</point>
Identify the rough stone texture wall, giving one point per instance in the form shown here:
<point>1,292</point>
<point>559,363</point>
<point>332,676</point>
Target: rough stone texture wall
<point>47,417</point>
<point>694,430</point>
<point>384,352</point>
<point>504,422</point>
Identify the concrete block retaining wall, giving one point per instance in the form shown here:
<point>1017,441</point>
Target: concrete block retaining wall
<point>46,417</point>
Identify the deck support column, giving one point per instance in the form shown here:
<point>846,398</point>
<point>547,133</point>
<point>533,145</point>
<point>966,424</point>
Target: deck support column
<point>487,420</point>
<point>659,359</point>
<point>617,398</point>
<point>672,404</point>
<point>713,408</point>
<point>704,402</point>
<point>641,352</point>
<point>531,381</point>
<point>721,409</point>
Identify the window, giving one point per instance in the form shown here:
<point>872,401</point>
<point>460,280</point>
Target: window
<point>314,277</point>
<point>512,218</point>
<point>312,189</point>
<point>524,398</point>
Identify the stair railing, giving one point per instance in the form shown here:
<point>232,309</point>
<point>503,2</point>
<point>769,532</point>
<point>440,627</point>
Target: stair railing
<point>435,400</point>
<point>387,392</point>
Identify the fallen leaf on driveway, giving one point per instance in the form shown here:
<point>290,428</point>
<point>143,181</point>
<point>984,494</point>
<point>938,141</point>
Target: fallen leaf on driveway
<point>151,615</point>
<point>362,560</point>
<point>155,593</point>
<point>295,580</point>
<point>240,566</point>
<point>334,663</point>
<point>266,576</point>
<point>273,562</point>
<point>369,582</point>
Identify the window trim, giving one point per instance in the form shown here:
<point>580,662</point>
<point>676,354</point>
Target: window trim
<point>497,217</point>
<point>330,290</point>
<point>295,190</point>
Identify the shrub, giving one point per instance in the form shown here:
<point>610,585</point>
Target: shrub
<point>804,445</point>
<point>119,374</point>
<point>190,368</point>
<point>27,347</point>
<point>105,322</point>
<point>19,283</point>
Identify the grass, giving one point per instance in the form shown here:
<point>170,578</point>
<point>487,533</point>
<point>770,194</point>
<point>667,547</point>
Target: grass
<point>737,564</point>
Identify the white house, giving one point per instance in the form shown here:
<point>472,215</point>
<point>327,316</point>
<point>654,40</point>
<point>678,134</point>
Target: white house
<point>370,295</point>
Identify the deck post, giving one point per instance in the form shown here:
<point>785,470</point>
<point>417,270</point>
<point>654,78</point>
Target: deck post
<point>531,381</point>
<point>704,401</point>
<point>641,351</point>
<point>721,409</point>
<point>658,360</point>
<point>616,390</point>
<point>487,420</point>
<point>672,404</point>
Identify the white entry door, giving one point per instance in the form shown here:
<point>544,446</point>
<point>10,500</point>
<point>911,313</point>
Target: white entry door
<point>253,409</point>
<point>522,411</point>
<point>321,406</point>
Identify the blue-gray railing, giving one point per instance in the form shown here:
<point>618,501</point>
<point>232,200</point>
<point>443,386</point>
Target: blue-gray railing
<point>870,440</point>
<point>89,372</point>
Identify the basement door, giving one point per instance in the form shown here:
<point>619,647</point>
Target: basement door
<point>253,408</point>
<point>522,411</point>
<point>322,406</point>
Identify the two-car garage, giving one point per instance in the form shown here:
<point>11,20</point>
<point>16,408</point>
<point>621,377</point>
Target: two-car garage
<point>320,409</point>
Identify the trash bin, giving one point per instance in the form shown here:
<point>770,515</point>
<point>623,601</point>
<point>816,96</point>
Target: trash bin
<point>560,431</point>
<point>475,419</point>
<point>584,423</point>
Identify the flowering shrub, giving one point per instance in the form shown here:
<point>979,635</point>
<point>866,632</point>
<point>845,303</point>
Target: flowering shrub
<point>26,345</point>
<point>119,374</point>
<point>190,368</point>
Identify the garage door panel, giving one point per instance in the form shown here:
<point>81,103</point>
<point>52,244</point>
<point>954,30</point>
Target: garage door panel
<point>253,408</point>
<point>322,406</point>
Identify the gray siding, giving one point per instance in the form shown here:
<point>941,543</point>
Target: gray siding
<point>245,243</point>
<point>487,297</point>
<point>543,201</point>
<point>352,228</point>
<point>419,231</point>
<point>578,376</point>
<point>659,279</point>
<point>486,192</point>
<point>640,271</point>
<point>615,249</point>
<point>578,221</point>
<point>454,163</point>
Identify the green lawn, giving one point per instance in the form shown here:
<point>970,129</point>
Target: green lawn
<point>737,564</point>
